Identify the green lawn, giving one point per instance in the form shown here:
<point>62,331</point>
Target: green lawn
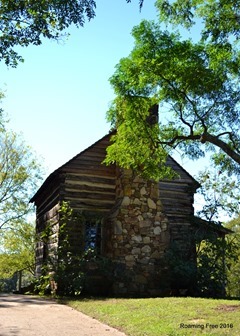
<point>165,316</point>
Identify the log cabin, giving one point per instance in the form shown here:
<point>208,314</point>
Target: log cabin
<point>129,220</point>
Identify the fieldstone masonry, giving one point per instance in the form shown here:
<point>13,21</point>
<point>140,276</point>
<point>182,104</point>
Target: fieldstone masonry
<point>138,236</point>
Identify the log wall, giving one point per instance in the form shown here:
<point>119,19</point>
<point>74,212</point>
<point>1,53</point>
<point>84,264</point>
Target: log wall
<point>177,198</point>
<point>89,185</point>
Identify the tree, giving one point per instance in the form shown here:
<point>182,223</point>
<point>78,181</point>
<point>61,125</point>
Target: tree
<point>26,22</point>
<point>218,22</point>
<point>218,258</point>
<point>220,195</point>
<point>198,94</point>
<point>215,256</point>
<point>233,274</point>
<point>1,113</point>
<point>220,19</point>
<point>17,250</point>
<point>19,177</point>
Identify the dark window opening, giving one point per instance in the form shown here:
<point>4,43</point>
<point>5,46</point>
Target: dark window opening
<point>93,235</point>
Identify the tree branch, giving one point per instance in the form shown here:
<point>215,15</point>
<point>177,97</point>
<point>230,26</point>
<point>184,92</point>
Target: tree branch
<point>180,137</point>
<point>222,145</point>
<point>205,137</point>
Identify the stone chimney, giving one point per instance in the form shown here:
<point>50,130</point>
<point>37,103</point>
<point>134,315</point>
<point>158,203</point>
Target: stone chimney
<point>138,237</point>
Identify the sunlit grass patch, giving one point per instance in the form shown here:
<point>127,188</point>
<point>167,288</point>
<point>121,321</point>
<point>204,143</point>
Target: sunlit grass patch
<point>165,316</point>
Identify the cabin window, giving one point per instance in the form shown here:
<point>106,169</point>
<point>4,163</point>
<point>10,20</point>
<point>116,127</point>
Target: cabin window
<point>93,235</point>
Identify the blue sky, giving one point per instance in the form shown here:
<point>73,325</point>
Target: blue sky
<point>59,96</point>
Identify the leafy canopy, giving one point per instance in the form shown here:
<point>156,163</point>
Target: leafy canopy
<point>198,95</point>
<point>220,193</point>
<point>25,22</point>
<point>233,284</point>
<point>220,19</point>
<point>19,177</point>
<point>17,249</point>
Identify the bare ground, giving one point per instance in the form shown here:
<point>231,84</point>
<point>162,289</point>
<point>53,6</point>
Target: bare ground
<point>24,315</point>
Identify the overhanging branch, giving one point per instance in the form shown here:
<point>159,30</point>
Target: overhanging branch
<point>215,140</point>
<point>205,137</point>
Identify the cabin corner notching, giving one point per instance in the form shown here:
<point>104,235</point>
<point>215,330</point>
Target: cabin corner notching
<point>131,221</point>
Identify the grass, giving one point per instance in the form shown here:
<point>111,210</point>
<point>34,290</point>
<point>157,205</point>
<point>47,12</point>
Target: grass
<point>165,316</point>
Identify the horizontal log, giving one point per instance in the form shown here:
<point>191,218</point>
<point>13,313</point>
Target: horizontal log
<point>93,206</point>
<point>84,201</point>
<point>79,192</point>
<point>178,203</point>
<point>98,155</point>
<point>46,206</point>
<point>174,195</point>
<point>100,148</point>
<point>174,185</point>
<point>178,212</point>
<point>81,186</point>
<point>89,163</point>
<point>48,193</point>
<point>93,158</point>
<point>88,196</point>
<point>91,172</point>
<point>109,180</point>
<point>46,218</point>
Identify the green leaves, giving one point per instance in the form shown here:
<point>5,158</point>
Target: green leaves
<point>135,145</point>
<point>233,284</point>
<point>219,18</point>
<point>196,87</point>
<point>220,193</point>
<point>27,22</point>
<point>19,176</point>
<point>17,249</point>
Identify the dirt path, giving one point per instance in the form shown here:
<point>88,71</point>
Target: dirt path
<point>23,315</point>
